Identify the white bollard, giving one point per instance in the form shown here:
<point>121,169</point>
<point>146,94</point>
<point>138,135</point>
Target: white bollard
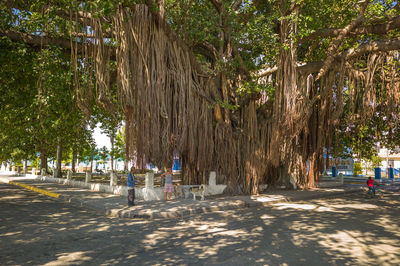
<point>113,179</point>
<point>149,180</point>
<point>212,181</point>
<point>149,193</point>
<point>69,175</point>
<point>341,178</point>
<point>88,177</point>
<point>33,171</point>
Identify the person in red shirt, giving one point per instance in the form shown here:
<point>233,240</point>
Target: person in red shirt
<point>371,185</point>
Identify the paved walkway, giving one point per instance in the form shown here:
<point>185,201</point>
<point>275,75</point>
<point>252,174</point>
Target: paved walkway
<point>115,205</point>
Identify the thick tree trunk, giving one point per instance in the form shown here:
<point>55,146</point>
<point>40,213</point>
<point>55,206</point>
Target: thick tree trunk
<point>73,160</point>
<point>112,151</point>
<point>327,160</point>
<point>59,158</point>
<point>43,160</point>
<point>282,150</point>
<point>91,161</point>
<point>25,167</point>
<point>128,155</point>
<point>126,164</point>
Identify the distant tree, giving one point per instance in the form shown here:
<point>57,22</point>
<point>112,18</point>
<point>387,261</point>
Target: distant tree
<point>372,163</point>
<point>119,148</point>
<point>104,153</point>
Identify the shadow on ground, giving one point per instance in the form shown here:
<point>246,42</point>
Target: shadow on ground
<point>349,230</point>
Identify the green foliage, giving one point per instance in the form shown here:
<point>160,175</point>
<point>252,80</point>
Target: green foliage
<point>373,163</point>
<point>37,102</point>
<point>103,153</point>
<point>250,87</point>
<point>119,148</point>
<point>357,170</point>
<point>16,101</point>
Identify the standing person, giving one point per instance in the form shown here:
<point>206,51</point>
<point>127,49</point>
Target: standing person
<point>131,187</point>
<point>168,187</point>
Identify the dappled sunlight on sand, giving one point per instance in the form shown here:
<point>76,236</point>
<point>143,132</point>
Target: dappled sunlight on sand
<point>387,224</point>
<point>182,229</point>
<point>266,216</point>
<point>301,226</point>
<point>11,234</point>
<point>268,198</point>
<point>364,206</point>
<point>203,238</point>
<point>329,208</point>
<point>267,219</point>
<point>282,206</point>
<point>233,233</point>
<point>347,230</point>
<point>70,258</point>
<point>59,214</point>
<point>365,248</point>
<point>103,228</point>
<point>11,197</point>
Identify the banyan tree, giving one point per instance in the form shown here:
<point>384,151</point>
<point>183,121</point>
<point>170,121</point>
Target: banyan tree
<point>255,90</point>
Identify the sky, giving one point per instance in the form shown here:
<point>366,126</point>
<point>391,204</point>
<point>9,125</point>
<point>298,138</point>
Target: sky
<point>101,139</point>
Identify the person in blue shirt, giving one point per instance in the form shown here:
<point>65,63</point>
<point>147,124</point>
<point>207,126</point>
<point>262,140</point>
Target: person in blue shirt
<point>131,187</point>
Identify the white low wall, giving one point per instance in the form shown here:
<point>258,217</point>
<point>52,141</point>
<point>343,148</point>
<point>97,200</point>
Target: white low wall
<point>157,193</point>
<point>148,193</point>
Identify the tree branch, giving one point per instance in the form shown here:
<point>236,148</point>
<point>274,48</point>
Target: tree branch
<point>236,4</point>
<point>339,39</point>
<point>209,51</point>
<point>218,5</point>
<point>268,71</point>
<point>371,47</point>
<point>379,29</point>
<point>37,41</point>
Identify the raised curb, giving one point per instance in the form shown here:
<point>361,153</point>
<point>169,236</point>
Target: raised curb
<point>176,214</point>
<point>239,204</point>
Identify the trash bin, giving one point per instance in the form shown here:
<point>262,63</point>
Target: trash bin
<point>378,173</point>
<point>177,165</point>
<point>391,173</point>
<point>333,171</point>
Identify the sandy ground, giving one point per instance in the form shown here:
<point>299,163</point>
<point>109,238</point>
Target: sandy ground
<point>348,230</point>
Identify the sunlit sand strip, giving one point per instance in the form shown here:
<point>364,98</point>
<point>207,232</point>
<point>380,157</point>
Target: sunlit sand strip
<point>39,190</point>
